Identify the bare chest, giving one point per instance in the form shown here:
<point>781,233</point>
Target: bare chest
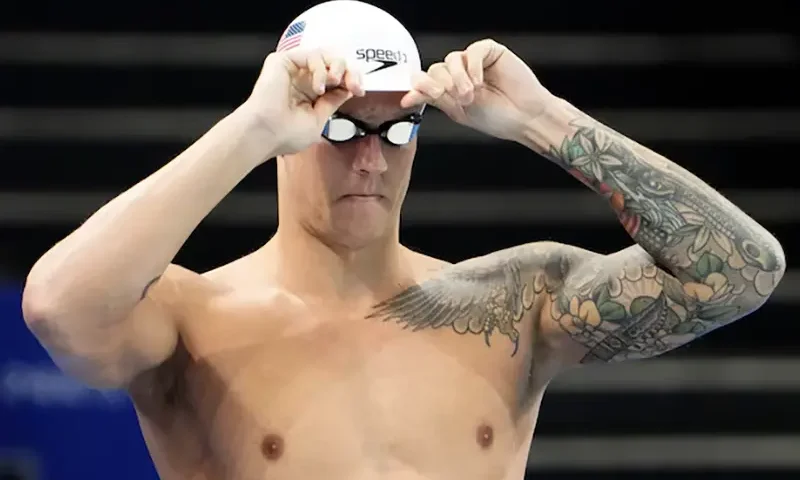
<point>347,396</point>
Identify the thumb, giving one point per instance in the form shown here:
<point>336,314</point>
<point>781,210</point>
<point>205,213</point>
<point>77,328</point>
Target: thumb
<point>330,101</point>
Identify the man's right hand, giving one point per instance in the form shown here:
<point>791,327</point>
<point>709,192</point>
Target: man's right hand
<point>295,94</point>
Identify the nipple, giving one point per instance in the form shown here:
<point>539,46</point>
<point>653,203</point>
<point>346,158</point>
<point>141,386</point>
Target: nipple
<point>485,436</point>
<point>272,447</point>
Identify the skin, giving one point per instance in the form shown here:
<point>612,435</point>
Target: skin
<point>336,352</point>
<point>316,388</point>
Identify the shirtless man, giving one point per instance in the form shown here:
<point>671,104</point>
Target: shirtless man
<point>335,352</point>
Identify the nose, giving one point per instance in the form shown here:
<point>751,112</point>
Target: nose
<point>369,156</point>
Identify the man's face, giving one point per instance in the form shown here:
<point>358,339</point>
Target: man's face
<point>350,194</point>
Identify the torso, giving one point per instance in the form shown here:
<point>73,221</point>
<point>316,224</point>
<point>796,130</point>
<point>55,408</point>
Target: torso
<point>274,386</point>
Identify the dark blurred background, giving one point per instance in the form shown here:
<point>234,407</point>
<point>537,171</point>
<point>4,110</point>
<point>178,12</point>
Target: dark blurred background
<point>95,96</point>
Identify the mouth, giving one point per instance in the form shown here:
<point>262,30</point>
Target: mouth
<point>360,196</point>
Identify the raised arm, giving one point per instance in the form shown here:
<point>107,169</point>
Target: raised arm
<point>104,301</point>
<point>699,263</point>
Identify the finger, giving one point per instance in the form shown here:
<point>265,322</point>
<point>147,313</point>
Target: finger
<point>448,104</point>
<point>414,98</point>
<point>475,56</point>
<point>312,61</point>
<point>487,50</point>
<point>336,70</point>
<point>319,72</point>
<point>354,83</point>
<point>425,89</point>
<point>340,76</point>
<point>439,73</point>
<point>455,62</point>
<point>329,102</point>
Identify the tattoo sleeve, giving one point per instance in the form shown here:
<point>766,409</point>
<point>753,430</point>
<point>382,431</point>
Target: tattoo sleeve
<point>719,264</point>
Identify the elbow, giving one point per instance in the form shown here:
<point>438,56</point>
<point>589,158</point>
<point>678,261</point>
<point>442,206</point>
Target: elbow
<point>52,323</point>
<point>39,297</point>
<point>37,304</point>
<point>781,259</point>
<point>766,271</point>
<point>51,294</point>
<point>40,310</point>
<point>46,303</point>
<point>780,267</point>
<point>775,259</point>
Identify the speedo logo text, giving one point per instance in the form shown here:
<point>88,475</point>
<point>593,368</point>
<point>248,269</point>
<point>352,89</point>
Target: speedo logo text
<point>386,58</point>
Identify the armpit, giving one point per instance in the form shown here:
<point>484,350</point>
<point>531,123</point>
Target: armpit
<point>163,387</point>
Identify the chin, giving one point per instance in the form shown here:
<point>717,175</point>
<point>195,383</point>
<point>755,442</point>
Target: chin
<point>355,228</point>
<point>358,235</point>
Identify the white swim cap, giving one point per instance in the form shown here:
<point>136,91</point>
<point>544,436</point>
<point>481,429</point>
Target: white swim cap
<point>369,39</point>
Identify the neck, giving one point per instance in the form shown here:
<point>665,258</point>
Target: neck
<point>312,267</point>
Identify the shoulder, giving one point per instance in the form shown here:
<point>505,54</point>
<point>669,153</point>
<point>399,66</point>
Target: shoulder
<point>180,288</point>
<point>551,258</point>
<point>244,286</point>
<point>541,261</point>
<point>425,266</point>
<point>188,294</point>
<point>534,254</point>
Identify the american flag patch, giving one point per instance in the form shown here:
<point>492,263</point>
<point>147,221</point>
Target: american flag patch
<point>292,36</point>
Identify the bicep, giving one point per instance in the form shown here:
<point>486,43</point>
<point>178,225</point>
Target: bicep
<point>146,339</point>
<point>624,306</point>
<point>111,352</point>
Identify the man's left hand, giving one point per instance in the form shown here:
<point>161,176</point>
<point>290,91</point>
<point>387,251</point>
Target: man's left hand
<point>485,87</point>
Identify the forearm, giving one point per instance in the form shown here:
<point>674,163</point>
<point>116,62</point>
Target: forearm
<point>107,262</point>
<point>670,213</point>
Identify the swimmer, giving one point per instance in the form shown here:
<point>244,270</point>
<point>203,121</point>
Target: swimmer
<point>334,351</point>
